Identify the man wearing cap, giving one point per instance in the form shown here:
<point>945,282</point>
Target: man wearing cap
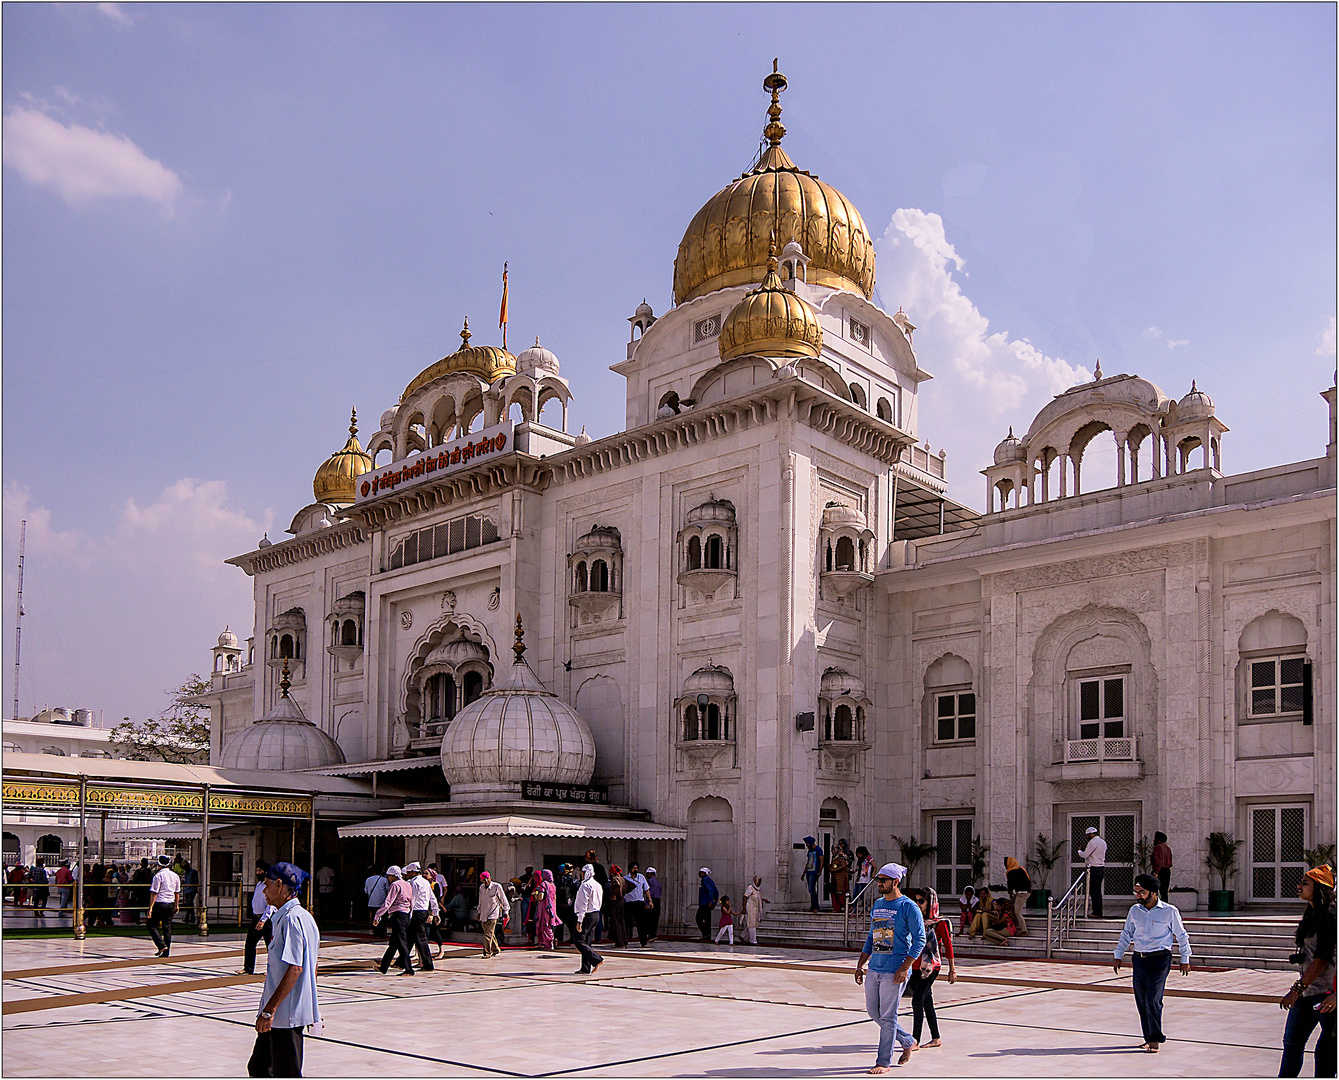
<point>634,902</point>
<point>493,909</point>
<point>707,895</point>
<point>896,938</point>
<point>1094,856</point>
<point>395,908</point>
<point>653,891</point>
<point>288,1002</point>
<point>422,907</point>
<point>262,920</point>
<point>1150,928</point>
<point>163,893</point>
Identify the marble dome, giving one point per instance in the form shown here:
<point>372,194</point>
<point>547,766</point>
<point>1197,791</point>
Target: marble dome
<point>516,731</point>
<point>1010,449</point>
<point>282,739</point>
<point>227,639</point>
<point>536,361</point>
<point>1196,405</point>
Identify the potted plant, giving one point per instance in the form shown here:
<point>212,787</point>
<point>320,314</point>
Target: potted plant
<point>1183,898</point>
<point>1320,855</point>
<point>979,855</point>
<point>1045,855</point>
<point>1222,860</point>
<point>1143,856</point>
<point>913,852</point>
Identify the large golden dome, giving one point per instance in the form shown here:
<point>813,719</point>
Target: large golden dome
<point>488,362</point>
<point>727,242</point>
<point>771,321</point>
<point>335,480</point>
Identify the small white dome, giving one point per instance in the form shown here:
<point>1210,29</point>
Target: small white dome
<point>1196,405</point>
<point>536,362</point>
<point>265,541</point>
<point>838,682</point>
<point>711,510</point>
<point>454,653</point>
<point>583,438</point>
<point>712,680</point>
<point>388,417</point>
<point>227,639</point>
<point>282,739</point>
<point>643,309</point>
<point>836,516</point>
<point>1009,450</point>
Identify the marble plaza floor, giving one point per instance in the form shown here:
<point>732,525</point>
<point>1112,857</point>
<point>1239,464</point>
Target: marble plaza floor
<point>107,1007</point>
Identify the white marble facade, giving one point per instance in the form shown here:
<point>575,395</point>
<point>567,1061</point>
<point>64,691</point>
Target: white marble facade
<point>726,564</point>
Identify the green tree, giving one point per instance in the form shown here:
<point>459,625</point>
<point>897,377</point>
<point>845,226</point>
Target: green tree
<point>913,852</point>
<point>179,734</point>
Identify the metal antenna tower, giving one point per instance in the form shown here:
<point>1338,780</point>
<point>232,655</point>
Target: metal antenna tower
<point>18,622</point>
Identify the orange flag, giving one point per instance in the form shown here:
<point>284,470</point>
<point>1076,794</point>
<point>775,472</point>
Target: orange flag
<point>502,315</point>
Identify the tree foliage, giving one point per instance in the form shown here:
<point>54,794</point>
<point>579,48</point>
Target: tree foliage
<point>179,734</point>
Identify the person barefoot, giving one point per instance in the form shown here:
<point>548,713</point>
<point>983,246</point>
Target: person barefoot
<point>896,937</point>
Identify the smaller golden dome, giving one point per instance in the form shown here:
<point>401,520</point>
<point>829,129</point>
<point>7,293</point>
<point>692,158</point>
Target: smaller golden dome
<point>488,362</point>
<point>771,321</point>
<point>335,479</point>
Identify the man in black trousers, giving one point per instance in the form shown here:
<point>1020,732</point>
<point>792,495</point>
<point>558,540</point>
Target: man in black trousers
<point>261,926</point>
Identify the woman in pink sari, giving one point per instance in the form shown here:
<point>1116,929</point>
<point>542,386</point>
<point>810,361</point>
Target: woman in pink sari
<point>547,916</point>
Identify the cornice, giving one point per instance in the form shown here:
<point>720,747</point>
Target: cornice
<point>467,485</point>
<point>345,534</point>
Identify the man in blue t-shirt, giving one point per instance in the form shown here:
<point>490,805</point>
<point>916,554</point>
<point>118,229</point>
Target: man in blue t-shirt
<point>896,938</point>
<point>813,870</point>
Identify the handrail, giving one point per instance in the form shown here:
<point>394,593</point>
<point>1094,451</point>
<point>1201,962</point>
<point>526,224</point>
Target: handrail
<point>1061,917</point>
<point>857,904</point>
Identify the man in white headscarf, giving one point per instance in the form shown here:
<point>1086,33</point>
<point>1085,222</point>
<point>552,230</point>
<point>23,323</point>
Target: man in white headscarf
<point>589,900</point>
<point>896,938</point>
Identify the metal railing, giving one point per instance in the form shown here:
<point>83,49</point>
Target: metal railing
<point>858,905</point>
<point>1061,917</point>
<point>1078,751</point>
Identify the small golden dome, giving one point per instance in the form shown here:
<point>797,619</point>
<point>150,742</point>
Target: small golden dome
<point>335,479</point>
<point>488,362</point>
<point>771,321</point>
<point>727,242</point>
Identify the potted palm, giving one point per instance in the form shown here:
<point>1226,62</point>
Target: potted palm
<point>913,852</point>
<point>979,855</point>
<point>1222,860</point>
<point>1045,855</point>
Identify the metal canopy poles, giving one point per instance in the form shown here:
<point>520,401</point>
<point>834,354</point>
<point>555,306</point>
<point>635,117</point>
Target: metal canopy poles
<point>79,930</point>
<point>204,868</point>
<point>311,854</point>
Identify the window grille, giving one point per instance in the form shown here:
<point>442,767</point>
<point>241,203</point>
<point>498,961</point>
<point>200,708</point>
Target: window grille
<point>953,855</point>
<point>1278,842</point>
<point>1102,708</point>
<point>448,538</point>
<point>1277,685</point>
<point>860,333</point>
<point>955,717</point>
<point>705,329</point>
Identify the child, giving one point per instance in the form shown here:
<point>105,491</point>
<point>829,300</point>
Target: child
<point>968,912</point>
<point>727,923</point>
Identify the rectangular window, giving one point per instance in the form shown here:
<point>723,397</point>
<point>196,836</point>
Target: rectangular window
<point>706,329</point>
<point>1102,708</point>
<point>955,717</point>
<point>859,333</point>
<point>448,538</point>
<point>953,855</point>
<point>1276,685</point>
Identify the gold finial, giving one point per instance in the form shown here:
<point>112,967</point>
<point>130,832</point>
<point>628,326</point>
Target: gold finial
<point>771,254</point>
<point>465,334</point>
<point>519,647</point>
<point>775,130</point>
<point>284,684</point>
<point>353,422</point>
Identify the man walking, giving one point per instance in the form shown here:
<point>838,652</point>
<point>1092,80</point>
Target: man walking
<point>493,909</point>
<point>896,938</point>
<point>1150,928</point>
<point>813,870</point>
<point>1162,863</point>
<point>375,888</point>
<point>288,1001</point>
<point>634,902</point>
<point>653,893</point>
<point>422,908</point>
<point>262,921</point>
<point>589,901</point>
<point>163,892</point>
<point>1018,883</point>
<point>1094,856</point>
<point>396,907</point>
<point>707,895</point>
<point>65,886</point>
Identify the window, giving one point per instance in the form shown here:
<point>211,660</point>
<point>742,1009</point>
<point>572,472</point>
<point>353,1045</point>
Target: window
<point>709,723</point>
<point>694,553</point>
<point>441,697</point>
<point>448,538</point>
<point>840,725</point>
<point>349,634</point>
<point>581,577</point>
<point>1277,847</point>
<point>955,717</point>
<point>706,329</point>
<point>474,686</point>
<point>860,333</point>
<point>1276,685</point>
<point>1102,708</point>
<point>953,854</point>
<point>55,751</point>
<point>599,576</point>
<point>713,554</point>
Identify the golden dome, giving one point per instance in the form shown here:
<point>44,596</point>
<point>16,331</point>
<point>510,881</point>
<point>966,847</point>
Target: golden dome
<point>335,479</point>
<point>727,242</point>
<point>488,362</point>
<point>772,321</point>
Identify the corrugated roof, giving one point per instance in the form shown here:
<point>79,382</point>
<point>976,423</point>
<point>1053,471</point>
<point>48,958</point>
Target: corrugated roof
<point>594,827</point>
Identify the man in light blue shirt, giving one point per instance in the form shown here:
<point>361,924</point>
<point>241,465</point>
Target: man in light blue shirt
<point>288,1002</point>
<point>1151,927</point>
<point>896,937</point>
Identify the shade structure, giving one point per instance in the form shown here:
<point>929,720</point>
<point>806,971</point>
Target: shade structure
<point>592,828</point>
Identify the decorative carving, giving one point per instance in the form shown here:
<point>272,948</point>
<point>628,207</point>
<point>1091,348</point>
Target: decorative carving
<point>495,598</point>
<point>449,601</point>
<point>406,619</point>
<point>1276,776</point>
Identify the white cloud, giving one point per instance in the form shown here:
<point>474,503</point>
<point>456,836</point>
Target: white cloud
<point>1327,343</point>
<point>114,619</point>
<point>114,12</point>
<point>83,164</point>
<point>1154,332</point>
<point>984,380</point>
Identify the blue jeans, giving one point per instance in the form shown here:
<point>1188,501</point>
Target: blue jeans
<point>883,994</point>
<point>811,880</point>
<point>1302,1021</point>
<point>1150,976</point>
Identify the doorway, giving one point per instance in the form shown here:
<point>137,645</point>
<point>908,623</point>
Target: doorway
<point>1277,845</point>
<point>1119,831</point>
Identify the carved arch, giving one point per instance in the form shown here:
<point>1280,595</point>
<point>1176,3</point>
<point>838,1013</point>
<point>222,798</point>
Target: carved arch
<point>430,638</point>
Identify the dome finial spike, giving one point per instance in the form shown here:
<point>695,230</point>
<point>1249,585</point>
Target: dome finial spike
<point>771,255</point>
<point>353,421</point>
<point>519,647</point>
<point>1097,373</point>
<point>1011,431</point>
<point>775,130</point>
<point>1193,388</point>
<point>465,334</point>
<point>284,684</point>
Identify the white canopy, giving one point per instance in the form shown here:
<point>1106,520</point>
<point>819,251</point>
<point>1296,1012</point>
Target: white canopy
<point>594,828</point>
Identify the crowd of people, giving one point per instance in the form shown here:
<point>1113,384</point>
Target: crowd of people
<point>114,893</point>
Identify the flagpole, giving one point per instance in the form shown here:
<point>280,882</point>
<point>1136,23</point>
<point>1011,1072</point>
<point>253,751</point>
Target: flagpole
<point>502,313</point>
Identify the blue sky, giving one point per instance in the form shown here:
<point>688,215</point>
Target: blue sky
<point>225,225</point>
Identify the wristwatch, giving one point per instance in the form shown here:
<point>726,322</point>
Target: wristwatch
<point>266,1016</point>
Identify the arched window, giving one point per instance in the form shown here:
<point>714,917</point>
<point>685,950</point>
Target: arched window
<point>54,751</point>
<point>581,585</point>
<point>715,553</point>
<point>349,635</point>
<point>845,555</point>
<point>885,410</point>
<point>690,723</point>
<point>712,727</point>
<point>842,724</point>
<point>218,663</point>
<point>286,647</point>
<point>857,395</point>
<point>441,697</point>
<point>599,576</point>
<point>474,686</point>
<point>694,553</point>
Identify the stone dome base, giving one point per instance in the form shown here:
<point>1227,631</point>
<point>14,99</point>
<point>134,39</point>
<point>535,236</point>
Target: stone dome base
<point>477,794</point>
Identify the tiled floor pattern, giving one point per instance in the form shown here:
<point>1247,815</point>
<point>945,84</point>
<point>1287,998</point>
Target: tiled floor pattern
<point>691,1011</point>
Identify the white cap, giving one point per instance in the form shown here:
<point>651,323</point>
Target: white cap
<point>1092,830</point>
<point>650,869</point>
<point>412,866</point>
<point>394,871</point>
<point>704,870</point>
<point>892,870</point>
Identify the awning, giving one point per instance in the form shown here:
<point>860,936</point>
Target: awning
<point>173,830</point>
<point>515,825</point>
<point>366,768</point>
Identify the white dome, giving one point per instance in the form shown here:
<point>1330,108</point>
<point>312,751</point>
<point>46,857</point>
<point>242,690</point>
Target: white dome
<point>836,516</point>
<point>536,362</point>
<point>283,739</point>
<point>712,510</point>
<point>583,438</point>
<point>711,680</point>
<point>1009,450</point>
<point>514,732</point>
<point>454,653</point>
<point>227,639</point>
<point>1195,405</point>
<point>388,418</point>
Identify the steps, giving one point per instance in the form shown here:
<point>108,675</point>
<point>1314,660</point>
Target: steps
<point>1261,942</point>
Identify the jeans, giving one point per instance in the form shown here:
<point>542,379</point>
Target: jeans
<point>278,1052</point>
<point>253,937</point>
<point>590,959</point>
<point>398,926</point>
<point>923,1003</point>
<point>1302,1020</point>
<point>65,896</point>
<point>1095,876</point>
<point>811,881</point>
<point>160,925</point>
<point>1150,976</point>
<point>883,993</point>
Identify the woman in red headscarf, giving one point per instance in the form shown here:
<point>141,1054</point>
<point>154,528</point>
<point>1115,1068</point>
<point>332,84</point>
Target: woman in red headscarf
<point>546,917</point>
<point>938,947</point>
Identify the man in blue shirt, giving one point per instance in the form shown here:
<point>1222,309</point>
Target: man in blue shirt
<point>1150,927</point>
<point>896,938</point>
<point>813,870</point>
<point>288,1002</point>
<point>707,895</point>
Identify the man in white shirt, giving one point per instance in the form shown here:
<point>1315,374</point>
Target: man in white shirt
<point>493,909</point>
<point>1151,927</point>
<point>634,901</point>
<point>589,901</point>
<point>1094,856</point>
<point>262,920</point>
<point>376,886</point>
<point>163,893</point>
<point>422,908</point>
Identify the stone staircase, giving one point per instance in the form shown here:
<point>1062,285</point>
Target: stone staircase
<point>1233,940</point>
